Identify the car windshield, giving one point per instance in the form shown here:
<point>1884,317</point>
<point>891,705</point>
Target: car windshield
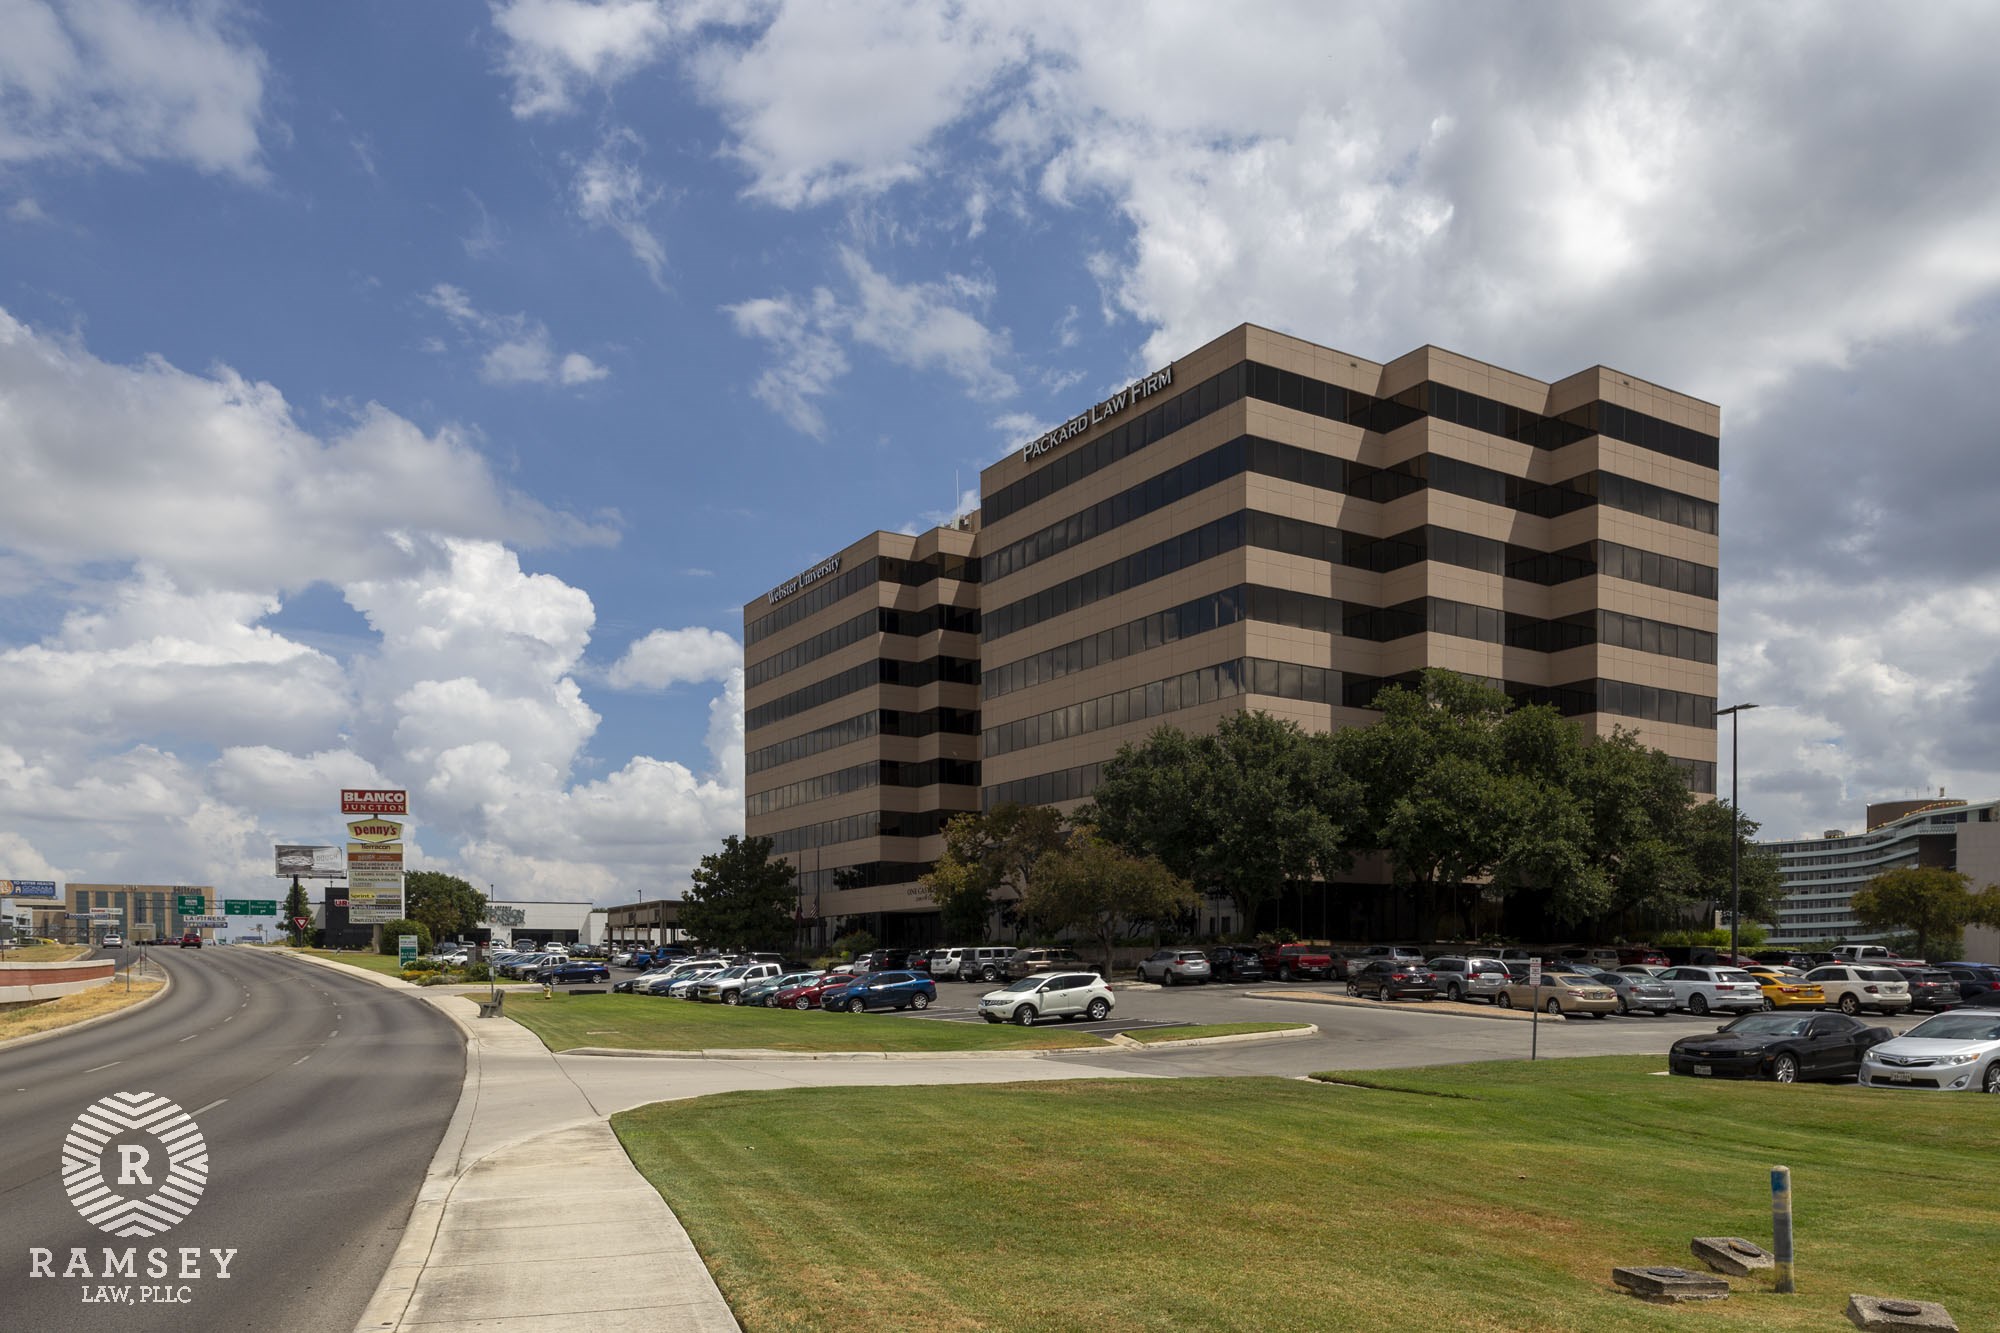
<point>729,972</point>
<point>1768,1025</point>
<point>1958,1027</point>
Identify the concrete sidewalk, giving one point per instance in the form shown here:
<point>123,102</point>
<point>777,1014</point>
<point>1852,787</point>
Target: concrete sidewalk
<point>531,1211</point>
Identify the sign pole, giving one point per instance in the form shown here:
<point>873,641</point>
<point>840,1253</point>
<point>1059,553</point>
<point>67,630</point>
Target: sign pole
<point>1535,1014</point>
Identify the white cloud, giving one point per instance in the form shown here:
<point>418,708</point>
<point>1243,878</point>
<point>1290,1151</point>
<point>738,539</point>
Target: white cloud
<point>517,349</point>
<point>675,656</point>
<point>123,82</point>
<point>611,191</point>
<point>922,325</point>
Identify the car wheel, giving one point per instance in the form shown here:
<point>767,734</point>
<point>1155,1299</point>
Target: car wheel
<point>1624,1008</point>
<point>1698,1005</point>
<point>1767,1005</point>
<point>920,1001</point>
<point>802,1003</point>
<point>1456,994</point>
<point>1284,974</point>
<point>1025,1015</point>
<point>732,997</point>
<point>989,974</point>
<point>1554,1006</point>
<point>1382,995</point>
<point>1099,1010</point>
<point>1991,1083</point>
<point>1850,1005</point>
<point>855,1006</point>
<point>1784,1069</point>
<point>1167,978</point>
<point>1353,989</point>
<point>1504,1000</point>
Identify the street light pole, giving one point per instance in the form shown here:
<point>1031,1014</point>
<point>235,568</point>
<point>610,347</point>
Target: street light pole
<point>1735,831</point>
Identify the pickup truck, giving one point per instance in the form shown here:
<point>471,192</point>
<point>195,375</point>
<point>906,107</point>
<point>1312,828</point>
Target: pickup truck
<point>1291,962</point>
<point>1862,953</point>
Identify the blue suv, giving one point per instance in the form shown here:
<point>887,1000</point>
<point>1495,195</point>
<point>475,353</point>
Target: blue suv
<point>882,990</point>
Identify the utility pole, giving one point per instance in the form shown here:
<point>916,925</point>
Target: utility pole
<point>1735,831</point>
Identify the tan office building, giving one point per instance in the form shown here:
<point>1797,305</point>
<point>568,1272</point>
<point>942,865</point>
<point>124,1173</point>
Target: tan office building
<point>136,911</point>
<point>1264,523</point>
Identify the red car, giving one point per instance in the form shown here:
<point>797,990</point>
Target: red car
<point>1644,956</point>
<point>1305,961</point>
<point>190,941</point>
<point>807,995</point>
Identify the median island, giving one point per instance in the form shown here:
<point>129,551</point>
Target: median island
<point>647,1023</point>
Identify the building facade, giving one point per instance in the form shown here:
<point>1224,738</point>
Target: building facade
<point>1264,523</point>
<point>136,911</point>
<point>1822,874</point>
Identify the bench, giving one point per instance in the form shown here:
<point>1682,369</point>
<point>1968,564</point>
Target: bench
<point>491,1008</point>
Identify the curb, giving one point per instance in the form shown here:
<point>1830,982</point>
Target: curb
<point>83,1023</point>
<point>393,983</point>
<point>1226,1039</point>
<point>752,1053</point>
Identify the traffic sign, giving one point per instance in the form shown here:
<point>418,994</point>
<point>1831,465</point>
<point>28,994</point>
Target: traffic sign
<point>206,922</point>
<point>190,904</point>
<point>406,950</point>
<point>250,906</point>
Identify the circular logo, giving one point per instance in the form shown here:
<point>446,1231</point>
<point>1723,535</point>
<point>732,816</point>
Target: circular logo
<point>134,1164</point>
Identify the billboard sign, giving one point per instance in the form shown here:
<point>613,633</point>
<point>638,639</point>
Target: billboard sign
<point>308,862</point>
<point>359,802</point>
<point>375,830</point>
<point>27,888</point>
<point>374,882</point>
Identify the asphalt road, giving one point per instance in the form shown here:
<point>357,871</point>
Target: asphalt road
<point>321,1099</point>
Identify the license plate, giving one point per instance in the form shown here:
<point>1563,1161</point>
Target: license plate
<point>1898,1078</point>
<point>1703,1069</point>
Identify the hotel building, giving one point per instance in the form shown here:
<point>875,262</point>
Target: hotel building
<point>1264,523</point>
<point>1822,874</point>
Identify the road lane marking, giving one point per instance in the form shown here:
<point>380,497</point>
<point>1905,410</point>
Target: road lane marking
<point>334,1033</point>
<point>190,1036</point>
<point>210,1107</point>
<point>302,1059</point>
<point>114,1062</point>
<point>227,1019</point>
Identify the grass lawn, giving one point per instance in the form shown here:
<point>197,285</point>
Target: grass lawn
<point>44,953</point>
<point>1194,1030</point>
<point>1501,1200</point>
<point>386,964</point>
<point>33,1018</point>
<point>649,1023</point>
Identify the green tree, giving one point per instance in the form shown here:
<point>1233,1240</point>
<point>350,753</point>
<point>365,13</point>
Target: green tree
<point>1093,887</point>
<point>1709,827</point>
<point>297,906</point>
<point>1254,805</point>
<point>741,899</point>
<point>390,941</point>
<point>1433,799</point>
<point>1927,901</point>
<point>446,904</point>
<point>1638,805</point>
<point>961,882</point>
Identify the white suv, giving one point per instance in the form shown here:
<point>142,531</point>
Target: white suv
<point>1700,989</point>
<point>1064,995</point>
<point>1851,988</point>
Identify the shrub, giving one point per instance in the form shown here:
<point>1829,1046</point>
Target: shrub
<point>853,944</point>
<point>478,972</point>
<point>393,929</point>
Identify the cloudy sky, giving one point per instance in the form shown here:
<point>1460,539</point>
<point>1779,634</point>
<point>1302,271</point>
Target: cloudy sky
<point>412,394</point>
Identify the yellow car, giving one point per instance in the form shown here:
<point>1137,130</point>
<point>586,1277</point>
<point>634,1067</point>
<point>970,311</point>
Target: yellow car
<point>1787,988</point>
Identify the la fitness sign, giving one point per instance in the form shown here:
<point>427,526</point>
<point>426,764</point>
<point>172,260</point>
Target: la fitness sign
<point>1137,391</point>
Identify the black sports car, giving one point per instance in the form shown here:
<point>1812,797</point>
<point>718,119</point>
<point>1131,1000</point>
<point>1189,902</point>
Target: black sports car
<point>1782,1046</point>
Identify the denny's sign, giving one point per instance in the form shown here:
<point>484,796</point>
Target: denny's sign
<point>374,830</point>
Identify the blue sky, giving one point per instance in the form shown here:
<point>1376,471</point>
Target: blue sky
<point>412,394</point>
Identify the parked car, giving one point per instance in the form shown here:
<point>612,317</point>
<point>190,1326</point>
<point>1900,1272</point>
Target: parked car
<point>1468,978</point>
<point>1583,962</point>
<point>1064,995</point>
<point>1562,993</point>
<point>1974,978</point>
<point>1932,988</point>
<point>1956,1052</point>
<point>1701,989</point>
<point>1637,992</point>
<point>1393,979</point>
<point>1645,955</point>
<point>1852,987</point>
<point>1233,964</point>
<point>1173,967</point>
<point>662,981</point>
<point>759,994</point>
<point>682,987</point>
<point>1862,953</point>
<point>943,963</point>
<point>806,994</point>
<point>1784,958</point>
<point>1027,962</point>
<point>1296,962</point>
<point>882,960</point>
<point>726,986</point>
<point>191,940</point>
<point>1781,1047</point>
<point>568,972</point>
<point>1786,987</point>
<point>1640,969</point>
<point>1395,953</point>
<point>987,962</point>
<point>898,989</point>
